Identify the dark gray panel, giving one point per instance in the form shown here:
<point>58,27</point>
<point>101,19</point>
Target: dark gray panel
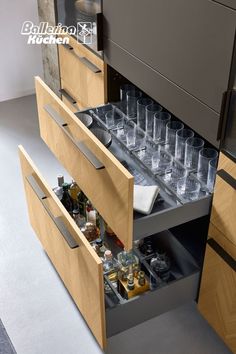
<point>229,3</point>
<point>186,107</point>
<point>189,42</point>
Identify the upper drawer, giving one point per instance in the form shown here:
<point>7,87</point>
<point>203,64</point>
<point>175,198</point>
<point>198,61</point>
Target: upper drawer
<point>83,72</point>
<point>224,201</point>
<point>100,175</point>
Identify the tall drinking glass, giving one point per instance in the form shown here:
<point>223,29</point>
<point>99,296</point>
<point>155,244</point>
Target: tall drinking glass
<point>132,98</point>
<point>160,121</point>
<point>205,156</point>
<point>171,130</point>
<point>142,103</point>
<point>192,147</point>
<point>151,110</point>
<point>212,168</point>
<point>123,95</point>
<point>181,136</point>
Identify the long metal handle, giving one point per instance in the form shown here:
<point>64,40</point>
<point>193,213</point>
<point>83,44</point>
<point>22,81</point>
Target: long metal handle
<point>222,253</point>
<point>80,145</point>
<point>57,220</point>
<point>83,60</point>
<point>67,96</point>
<point>227,178</point>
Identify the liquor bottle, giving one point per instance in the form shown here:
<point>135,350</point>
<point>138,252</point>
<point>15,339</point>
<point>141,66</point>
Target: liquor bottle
<point>82,203</point>
<point>66,198</point>
<point>127,260</point>
<point>59,190</point>
<point>99,247</point>
<point>74,190</point>
<point>90,213</point>
<point>110,267</point>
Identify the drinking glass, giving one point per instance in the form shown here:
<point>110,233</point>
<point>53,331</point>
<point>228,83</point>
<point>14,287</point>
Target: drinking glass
<point>188,188</point>
<point>211,174</point>
<point>181,136</point>
<point>192,147</point>
<point>172,177</point>
<point>132,98</point>
<point>171,129</point>
<point>151,110</point>
<point>160,121</point>
<point>101,111</point>
<point>113,118</point>
<point>205,156</point>
<point>142,103</point>
<point>130,134</point>
<point>161,161</point>
<point>123,95</point>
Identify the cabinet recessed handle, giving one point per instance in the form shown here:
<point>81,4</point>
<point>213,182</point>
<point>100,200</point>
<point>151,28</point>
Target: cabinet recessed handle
<point>227,178</point>
<point>57,220</point>
<point>222,253</point>
<point>83,60</point>
<point>80,145</point>
<point>67,96</point>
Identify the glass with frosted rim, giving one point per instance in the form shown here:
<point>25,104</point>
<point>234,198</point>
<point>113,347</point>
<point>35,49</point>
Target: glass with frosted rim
<point>160,121</point>
<point>212,169</point>
<point>181,136</point>
<point>150,111</point>
<point>131,99</point>
<point>192,147</point>
<point>114,118</point>
<point>205,156</point>
<point>188,188</point>
<point>142,103</point>
<point>161,161</point>
<point>171,128</point>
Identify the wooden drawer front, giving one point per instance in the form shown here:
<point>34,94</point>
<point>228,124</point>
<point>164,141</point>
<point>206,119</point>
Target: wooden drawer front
<point>223,241</point>
<point>77,264</point>
<point>217,301</point>
<point>224,200</point>
<point>109,185</point>
<point>83,71</point>
<point>67,97</point>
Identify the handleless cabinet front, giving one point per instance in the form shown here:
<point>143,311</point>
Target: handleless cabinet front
<point>103,179</point>
<point>178,52</point>
<point>74,259</point>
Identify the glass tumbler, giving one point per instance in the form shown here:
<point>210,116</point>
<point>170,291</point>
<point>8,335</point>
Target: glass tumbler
<point>123,95</point>
<point>188,188</point>
<point>161,161</point>
<point>130,134</point>
<point>132,98</point>
<point>212,168</point>
<point>172,177</point>
<point>171,130</point>
<point>113,119</point>
<point>160,121</point>
<point>142,103</point>
<point>205,156</point>
<point>181,136</point>
<point>192,147</point>
<point>151,110</point>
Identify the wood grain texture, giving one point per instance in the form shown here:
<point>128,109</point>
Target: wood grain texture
<point>73,107</point>
<point>87,87</point>
<point>80,269</point>
<point>109,189</point>
<point>217,301</point>
<point>223,215</point>
<point>220,238</point>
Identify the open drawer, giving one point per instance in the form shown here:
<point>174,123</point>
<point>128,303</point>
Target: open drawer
<point>81,269</point>
<point>76,262</point>
<point>103,178</point>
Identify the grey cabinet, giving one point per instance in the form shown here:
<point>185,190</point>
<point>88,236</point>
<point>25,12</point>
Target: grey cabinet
<point>186,46</point>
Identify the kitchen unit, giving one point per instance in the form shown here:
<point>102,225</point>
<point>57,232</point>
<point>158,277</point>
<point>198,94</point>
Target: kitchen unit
<point>187,84</point>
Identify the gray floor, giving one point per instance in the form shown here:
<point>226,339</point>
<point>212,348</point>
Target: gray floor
<point>35,308</point>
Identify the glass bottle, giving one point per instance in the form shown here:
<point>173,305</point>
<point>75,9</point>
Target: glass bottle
<point>100,248</point>
<point>74,190</point>
<point>110,266</point>
<point>76,216</point>
<point>66,198</point>
<point>127,261</point>
<point>59,190</point>
<point>82,203</point>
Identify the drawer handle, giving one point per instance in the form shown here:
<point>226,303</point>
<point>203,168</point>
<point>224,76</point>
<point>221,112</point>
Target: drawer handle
<point>222,253</point>
<point>57,220</point>
<point>83,60</point>
<point>80,145</point>
<point>67,96</point>
<point>227,178</point>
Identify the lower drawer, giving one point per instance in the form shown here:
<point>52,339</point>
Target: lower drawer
<point>81,269</point>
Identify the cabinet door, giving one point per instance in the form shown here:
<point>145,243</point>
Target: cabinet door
<point>74,259</point>
<point>217,300</point>
<point>83,72</point>
<point>187,46</point>
<point>224,200</point>
<point>104,180</point>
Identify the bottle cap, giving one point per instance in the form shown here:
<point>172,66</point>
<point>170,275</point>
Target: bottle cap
<point>65,186</point>
<point>76,211</point>
<point>60,180</point>
<point>99,241</point>
<point>108,254</point>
